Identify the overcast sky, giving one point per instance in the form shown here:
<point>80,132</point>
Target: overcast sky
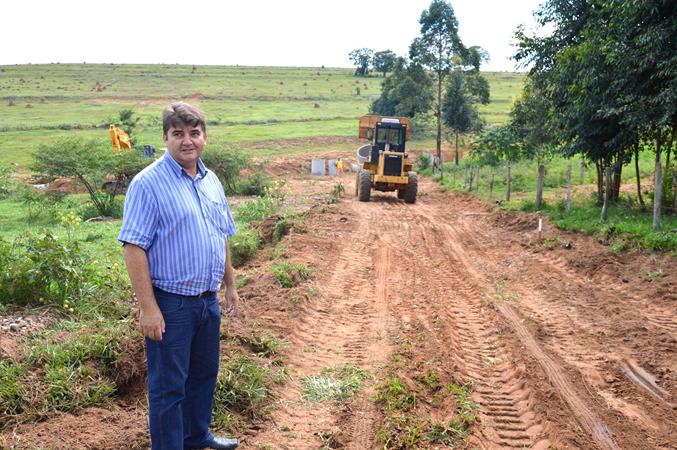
<point>229,32</point>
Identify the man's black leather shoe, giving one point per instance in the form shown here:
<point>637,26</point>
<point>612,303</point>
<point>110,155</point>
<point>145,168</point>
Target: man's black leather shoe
<point>222,443</point>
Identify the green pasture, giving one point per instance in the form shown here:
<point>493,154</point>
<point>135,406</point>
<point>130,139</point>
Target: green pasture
<point>242,104</point>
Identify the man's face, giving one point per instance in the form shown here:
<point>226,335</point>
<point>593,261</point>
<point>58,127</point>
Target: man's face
<point>185,144</point>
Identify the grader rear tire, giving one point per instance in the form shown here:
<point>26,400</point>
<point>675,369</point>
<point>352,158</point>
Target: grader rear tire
<point>401,193</point>
<point>365,186</point>
<point>412,188</point>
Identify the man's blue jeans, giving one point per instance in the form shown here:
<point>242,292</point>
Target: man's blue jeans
<point>182,371</point>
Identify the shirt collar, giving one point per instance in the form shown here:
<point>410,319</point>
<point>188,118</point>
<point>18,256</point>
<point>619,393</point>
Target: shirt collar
<point>178,170</point>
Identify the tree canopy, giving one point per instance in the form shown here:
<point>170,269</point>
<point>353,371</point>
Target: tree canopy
<point>362,59</point>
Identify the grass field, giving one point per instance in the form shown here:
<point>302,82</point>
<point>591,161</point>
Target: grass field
<point>242,104</point>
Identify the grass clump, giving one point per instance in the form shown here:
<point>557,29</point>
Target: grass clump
<point>12,392</point>
<point>262,343</point>
<point>243,246</point>
<point>244,391</point>
<point>334,383</point>
<point>289,274</point>
<point>459,426</point>
<point>70,366</point>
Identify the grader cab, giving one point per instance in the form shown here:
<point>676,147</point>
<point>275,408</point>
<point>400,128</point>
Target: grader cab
<point>384,163</point>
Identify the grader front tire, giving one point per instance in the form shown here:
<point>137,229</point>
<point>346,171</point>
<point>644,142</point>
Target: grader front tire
<point>365,186</point>
<point>412,189</point>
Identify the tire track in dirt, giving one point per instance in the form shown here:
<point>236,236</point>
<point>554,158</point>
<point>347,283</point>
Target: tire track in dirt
<point>451,311</point>
<point>345,323</point>
<point>506,403</point>
<point>567,310</point>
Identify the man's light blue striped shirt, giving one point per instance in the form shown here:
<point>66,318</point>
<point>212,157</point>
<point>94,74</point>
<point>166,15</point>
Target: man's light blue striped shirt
<point>182,223</point>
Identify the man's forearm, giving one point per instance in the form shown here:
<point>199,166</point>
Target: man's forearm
<point>228,273</point>
<point>139,274</point>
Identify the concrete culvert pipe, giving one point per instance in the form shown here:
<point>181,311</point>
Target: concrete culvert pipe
<point>363,154</point>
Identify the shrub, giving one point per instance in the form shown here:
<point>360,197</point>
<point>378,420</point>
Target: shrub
<point>226,164</point>
<point>255,184</point>
<point>423,161</point>
<point>48,271</point>
<point>7,184</point>
<point>89,162</point>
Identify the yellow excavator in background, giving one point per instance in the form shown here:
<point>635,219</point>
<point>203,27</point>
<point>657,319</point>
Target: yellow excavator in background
<point>120,139</point>
<point>384,162</point>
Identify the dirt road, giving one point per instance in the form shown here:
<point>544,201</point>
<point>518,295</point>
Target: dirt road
<point>557,341</point>
<point>564,343</point>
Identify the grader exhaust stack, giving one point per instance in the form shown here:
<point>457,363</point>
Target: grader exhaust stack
<point>384,163</point>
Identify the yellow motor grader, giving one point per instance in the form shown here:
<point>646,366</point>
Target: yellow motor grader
<point>384,163</point>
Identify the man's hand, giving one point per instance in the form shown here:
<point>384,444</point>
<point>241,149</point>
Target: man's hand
<point>229,302</point>
<point>152,324</point>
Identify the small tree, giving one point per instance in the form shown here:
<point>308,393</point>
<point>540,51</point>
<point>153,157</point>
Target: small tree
<point>361,58</point>
<point>459,113</point>
<point>89,162</point>
<point>384,61</point>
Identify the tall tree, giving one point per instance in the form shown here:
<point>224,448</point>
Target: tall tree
<point>439,48</point>
<point>459,112</point>
<point>361,58</point>
<point>406,92</point>
<point>384,61</point>
<point>610,71</point>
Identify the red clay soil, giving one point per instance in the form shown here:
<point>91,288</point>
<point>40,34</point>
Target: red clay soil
<point>566,344</point>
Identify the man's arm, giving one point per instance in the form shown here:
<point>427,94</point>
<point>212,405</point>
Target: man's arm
<point>230,298</point>
<point>151,322</point>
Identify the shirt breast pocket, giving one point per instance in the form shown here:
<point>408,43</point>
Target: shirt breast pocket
<point>218,215</point>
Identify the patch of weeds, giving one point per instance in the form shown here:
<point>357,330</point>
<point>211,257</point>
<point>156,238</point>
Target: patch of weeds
<point>466,410</point>
<point>336,193</point>
<point>555,241</point>
<point>652,275</point>
<point>430,381</point>
<point>73,365</point>
<point>333,383</point>
<point>289,274</point>
<point>313,292</point>
<point>281,229</point>
<point>279,251</point>
<point>242,387</point>
<point>502,293</point>
<point>395,395</point>
<point>243,246</point>
<point>262,343</point>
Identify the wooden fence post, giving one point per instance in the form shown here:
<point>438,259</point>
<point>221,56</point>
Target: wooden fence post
<point>539,187</point>
<point>582,179</point>
<point>605,206</point>
<point>507,186</point>
<point>568,187</point>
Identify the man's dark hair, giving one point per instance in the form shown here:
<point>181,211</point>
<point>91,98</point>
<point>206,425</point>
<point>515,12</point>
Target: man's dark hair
<point>180,114</point>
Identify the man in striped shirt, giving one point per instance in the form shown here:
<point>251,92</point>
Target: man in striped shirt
<point>175,231</point>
